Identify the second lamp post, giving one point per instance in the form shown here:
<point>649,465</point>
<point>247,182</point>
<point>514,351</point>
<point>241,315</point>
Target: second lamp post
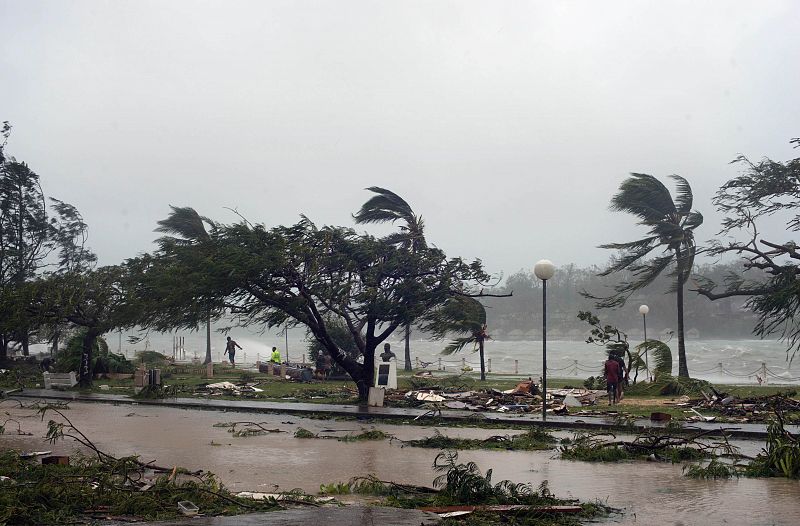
<point>544,270</point>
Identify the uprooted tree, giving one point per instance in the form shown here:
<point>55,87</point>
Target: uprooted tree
<point>300,275</point>
<point>769,278</point>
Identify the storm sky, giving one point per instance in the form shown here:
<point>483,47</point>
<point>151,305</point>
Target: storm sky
<point>506,125</point>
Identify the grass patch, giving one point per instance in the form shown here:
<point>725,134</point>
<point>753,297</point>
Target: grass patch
<point>715,469</point>
<point>373,434</point>
<point>534,439</point>
<point>304,433</point>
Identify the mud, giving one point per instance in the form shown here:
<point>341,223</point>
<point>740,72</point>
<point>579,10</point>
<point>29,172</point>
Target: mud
<point>650,493</point>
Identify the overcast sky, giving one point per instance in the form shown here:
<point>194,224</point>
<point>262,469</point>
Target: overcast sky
<point>506,125</point>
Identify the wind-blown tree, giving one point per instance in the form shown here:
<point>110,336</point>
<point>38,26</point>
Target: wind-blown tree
<point>186,227</point>
<point>29,235</point>
<point>464,317</point>
<point>301,275</point>
<point>671,224</point>
<point>94,301</point>
<point>388,207</point>
<point>769,275</point>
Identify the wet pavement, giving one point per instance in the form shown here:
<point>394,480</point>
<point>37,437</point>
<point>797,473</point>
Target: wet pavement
<point>752,431</point>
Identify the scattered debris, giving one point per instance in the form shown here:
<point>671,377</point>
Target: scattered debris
<point>525,397</point>
<point>188,508</point>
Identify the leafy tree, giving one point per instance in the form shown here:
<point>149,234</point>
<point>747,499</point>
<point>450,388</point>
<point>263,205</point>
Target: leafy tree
<point>768,274</point>
<point>671,225</point>
<point>460,315</point>
<point>388,207</point>
<point>94,301</point>
<point>29,234</point>
<point>103,360</point>
<point>187,228</point>
<point>300,275</point>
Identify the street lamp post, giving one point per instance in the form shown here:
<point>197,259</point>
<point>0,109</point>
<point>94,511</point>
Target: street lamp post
<point>544,270</point>
<point>643,310</point>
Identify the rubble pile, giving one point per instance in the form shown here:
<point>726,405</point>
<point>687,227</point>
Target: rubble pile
<point>733,408</point>
<point>525,397</point>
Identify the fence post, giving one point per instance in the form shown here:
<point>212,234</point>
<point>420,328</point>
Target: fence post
<point>516,366</point>
<point>490,364</point>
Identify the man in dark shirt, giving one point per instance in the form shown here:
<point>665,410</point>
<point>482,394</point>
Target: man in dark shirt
<point>613,374</point>
<point>230,350</point>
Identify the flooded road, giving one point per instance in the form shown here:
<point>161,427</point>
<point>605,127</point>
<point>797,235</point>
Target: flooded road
<point>650,493</point>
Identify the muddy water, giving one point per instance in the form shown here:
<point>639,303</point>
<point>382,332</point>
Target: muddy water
<point>650,493</point>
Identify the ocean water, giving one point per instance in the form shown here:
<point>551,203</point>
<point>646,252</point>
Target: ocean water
<point>720,361</point>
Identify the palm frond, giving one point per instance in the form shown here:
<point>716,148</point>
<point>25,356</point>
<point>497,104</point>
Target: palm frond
<point>632,245</point>
<point>662,356</point>
<point>386,206</point>
<point>185,222</point>
<point>458,344</point>
<point>683,195</point>
<point>643,196</point>
<point>692,220</point>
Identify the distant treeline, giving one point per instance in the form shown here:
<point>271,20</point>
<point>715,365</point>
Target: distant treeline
<point>520,317</point>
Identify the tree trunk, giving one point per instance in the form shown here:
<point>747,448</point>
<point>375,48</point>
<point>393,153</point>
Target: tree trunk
<point>86,372</point>
<point>26,350</point>
<point>3,348</point>
<point>208,341</point>
<point>366,377</point>
<point>483,368</point>
<point>683,369</point>
<point>408,348</point>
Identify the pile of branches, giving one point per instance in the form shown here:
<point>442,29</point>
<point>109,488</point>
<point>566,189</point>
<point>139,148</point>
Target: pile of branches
<point>535,439</point>
<point>672,443</point>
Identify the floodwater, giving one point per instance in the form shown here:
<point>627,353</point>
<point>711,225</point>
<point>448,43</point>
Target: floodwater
<point>649,493</point>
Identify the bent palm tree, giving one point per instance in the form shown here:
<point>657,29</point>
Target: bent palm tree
<point>388,207</point>
<point>190,229</point>
<point>671,227</point>
<point>463,316</point>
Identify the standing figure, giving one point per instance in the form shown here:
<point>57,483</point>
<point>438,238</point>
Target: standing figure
<point>623,377</point>
<point>613,374</point>
<point>230,350</point>
<point>276,356</point>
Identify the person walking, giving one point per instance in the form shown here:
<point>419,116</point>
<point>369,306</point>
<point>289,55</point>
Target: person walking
<point>230,350</point>
<point>613,375</point>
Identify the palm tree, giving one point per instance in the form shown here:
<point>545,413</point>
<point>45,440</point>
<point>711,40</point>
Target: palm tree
<point>671,225</point>
<point>190,229</point>
<point>388,207</point>
<point>463,316</point>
